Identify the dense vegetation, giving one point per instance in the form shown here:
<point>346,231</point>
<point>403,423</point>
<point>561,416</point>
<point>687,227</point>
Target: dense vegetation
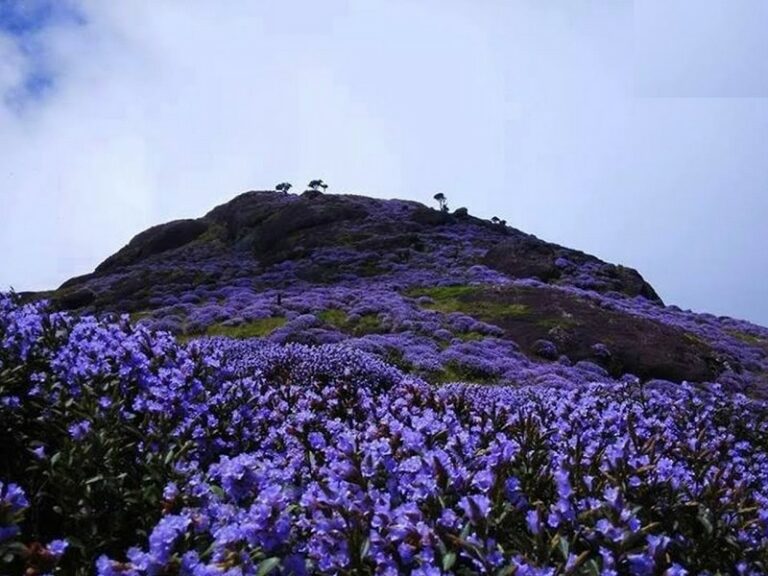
<point>444,296</point>
<point>125,452</point>
<point>327,384</point>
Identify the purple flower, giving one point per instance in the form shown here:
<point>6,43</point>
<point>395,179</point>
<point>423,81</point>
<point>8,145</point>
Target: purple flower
<point>475,507</point>
<point>533,521</point>
<point>107,567</point>
<point>171,491</point>
<point>13,497</point>
<point>483,480</point>
<point>641,565</point>
<point>79,430</point>
<point>58,547</point>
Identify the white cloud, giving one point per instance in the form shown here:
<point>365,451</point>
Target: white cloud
<point>525,110</point>
<point>704,48</point>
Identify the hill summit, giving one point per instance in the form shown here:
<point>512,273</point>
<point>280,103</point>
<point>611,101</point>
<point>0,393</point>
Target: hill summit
<point>445,296</point>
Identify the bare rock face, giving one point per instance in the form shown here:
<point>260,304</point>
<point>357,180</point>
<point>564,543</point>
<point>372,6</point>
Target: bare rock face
<point>155,240</point>
<point>524,256</point>
<point>550,322</point>
<point>74,299</point>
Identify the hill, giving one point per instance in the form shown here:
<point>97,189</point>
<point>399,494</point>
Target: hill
<point>331,403</point>
<point>446,296</point>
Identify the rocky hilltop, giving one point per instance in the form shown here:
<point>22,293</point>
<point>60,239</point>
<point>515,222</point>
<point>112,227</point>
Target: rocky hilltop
<point>446,296</point>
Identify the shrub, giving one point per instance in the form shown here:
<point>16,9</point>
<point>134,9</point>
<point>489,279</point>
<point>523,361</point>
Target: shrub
<point>243,457</point>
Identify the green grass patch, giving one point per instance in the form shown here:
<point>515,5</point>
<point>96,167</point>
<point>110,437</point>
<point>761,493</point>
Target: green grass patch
<point>454,372</point>
<point>557,322</point>
<point>471,300</point>
<point>136,316</point>
<point>442,293</point>
<point>469,336</point>
<point>214,233</point>
<point>748,338</point>
<point>695,339</point>
<point>334,317</point>
<point>368,324</point>
<point>254,329</point>
<point>395,357</point>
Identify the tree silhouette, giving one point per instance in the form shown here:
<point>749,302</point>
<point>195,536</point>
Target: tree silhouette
<point>283,187</point>
<point>315,184</point>
<point>442,201</point>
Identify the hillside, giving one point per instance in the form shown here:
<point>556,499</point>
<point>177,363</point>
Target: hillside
<point>445,296</point>
<point>321,384</point>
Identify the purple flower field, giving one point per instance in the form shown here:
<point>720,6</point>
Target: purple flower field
<point>343,385</point>
<point>127,453</point>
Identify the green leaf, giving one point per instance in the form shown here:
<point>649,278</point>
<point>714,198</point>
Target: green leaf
<point>449,560</point>
<point>704,520</point>
<point>266,566</point>
<point>218,491</point>
<point>594,569</point>
<point>465,531</point>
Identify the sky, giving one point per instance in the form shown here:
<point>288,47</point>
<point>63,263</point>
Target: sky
<point>635,131</point>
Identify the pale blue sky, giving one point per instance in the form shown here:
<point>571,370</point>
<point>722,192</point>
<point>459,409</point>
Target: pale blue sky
<point>637,131</point>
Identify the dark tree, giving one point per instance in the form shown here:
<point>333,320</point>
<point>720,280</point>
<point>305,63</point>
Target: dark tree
<point>442,201</point>
<point>283,187</point>
<point>315,184</point>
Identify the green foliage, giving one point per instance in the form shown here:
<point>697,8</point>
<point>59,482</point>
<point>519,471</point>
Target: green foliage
<point>216,233</point>
<point>557,322</point>
<point>334,317</point>
<point>367,324</point>
<point>136,316</point>
<point>455,372</point>
<point>695,338</point>
<point>254,329</point>
<point>442,293</point>
<point>396,357</point>
<point>470,300</point>
<point>748,338</point>
<point>102,490</point>
<point>469,336</point>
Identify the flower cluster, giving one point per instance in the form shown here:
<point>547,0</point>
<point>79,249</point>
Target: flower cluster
<point>36,558</point>
<point>250,457</point>
<point>369,273</point>
<point>13,503</point>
